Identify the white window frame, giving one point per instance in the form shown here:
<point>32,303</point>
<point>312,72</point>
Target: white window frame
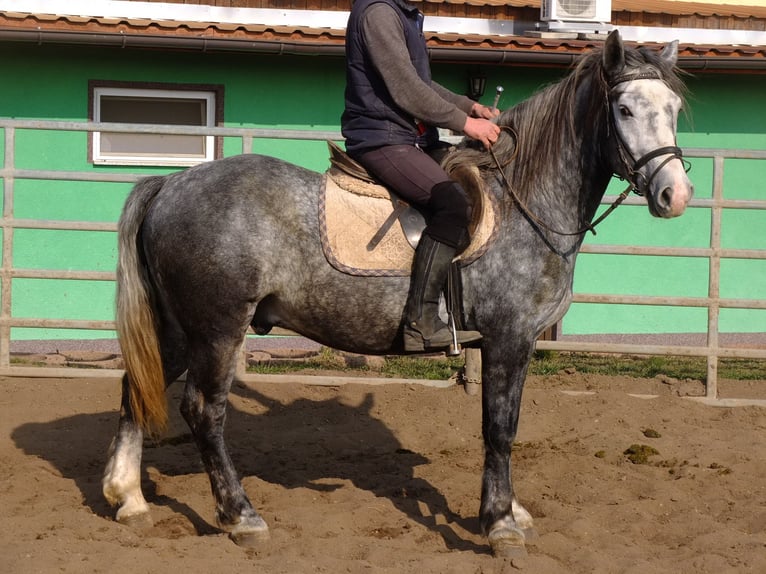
<point>209,97</point>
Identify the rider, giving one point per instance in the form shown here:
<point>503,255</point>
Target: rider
<point>392,111</point>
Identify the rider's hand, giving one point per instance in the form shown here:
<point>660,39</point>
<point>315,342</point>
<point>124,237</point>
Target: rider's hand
<point>481,129</point>
<point>480,111</point>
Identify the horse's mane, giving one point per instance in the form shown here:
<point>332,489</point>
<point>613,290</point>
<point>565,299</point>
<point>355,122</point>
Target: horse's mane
<point>547,124</point>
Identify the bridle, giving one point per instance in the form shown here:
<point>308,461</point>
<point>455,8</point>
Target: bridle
<point>638,183</point>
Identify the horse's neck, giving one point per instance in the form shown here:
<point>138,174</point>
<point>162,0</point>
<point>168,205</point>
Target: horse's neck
<point>563,202</point>
<point>581,173</point>
<point>591,118</point>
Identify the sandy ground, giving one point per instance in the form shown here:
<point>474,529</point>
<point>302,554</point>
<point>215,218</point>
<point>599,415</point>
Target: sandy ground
<point>359,478</point>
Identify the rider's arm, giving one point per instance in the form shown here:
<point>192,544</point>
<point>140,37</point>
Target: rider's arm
<point>384,37</point>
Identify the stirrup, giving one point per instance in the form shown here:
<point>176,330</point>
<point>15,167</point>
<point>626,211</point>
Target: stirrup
<point>454,348</point>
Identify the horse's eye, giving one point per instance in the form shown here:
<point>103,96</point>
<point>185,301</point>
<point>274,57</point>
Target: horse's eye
<point>625,112</point>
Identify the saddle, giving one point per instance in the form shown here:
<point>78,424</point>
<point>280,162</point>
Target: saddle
<point>367,230</point>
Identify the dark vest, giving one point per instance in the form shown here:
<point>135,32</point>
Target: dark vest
<point>371,118</point>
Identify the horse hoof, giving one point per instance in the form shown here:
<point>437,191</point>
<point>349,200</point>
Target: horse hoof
<point>507,543</point>
<point>251,531</point>
<point>138,521</point>
<point>251,538</point>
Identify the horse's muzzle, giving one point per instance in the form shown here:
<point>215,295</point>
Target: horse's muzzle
<point>672,191</point>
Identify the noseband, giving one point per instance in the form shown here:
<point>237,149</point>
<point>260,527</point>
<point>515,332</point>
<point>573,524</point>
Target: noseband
<point>638,181</point>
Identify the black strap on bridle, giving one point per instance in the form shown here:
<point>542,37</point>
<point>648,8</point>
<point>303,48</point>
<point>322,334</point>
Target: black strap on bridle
<point>638,181</point>
<point>640,187</point>
<point>631,165</point>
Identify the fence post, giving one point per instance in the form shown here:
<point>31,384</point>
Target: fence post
<point>6,270</point>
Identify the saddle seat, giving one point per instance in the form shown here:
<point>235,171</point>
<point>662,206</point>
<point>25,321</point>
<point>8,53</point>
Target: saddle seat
<point>358,214</point>
<point>344,167</point>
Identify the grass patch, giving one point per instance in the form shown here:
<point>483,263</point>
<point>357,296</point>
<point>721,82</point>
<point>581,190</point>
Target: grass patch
<point>420,368</point>
<point>325,360</point>
<point>26,362</point>
<point>643,366</point>
<point>404,367</point>
<point>543,363</point>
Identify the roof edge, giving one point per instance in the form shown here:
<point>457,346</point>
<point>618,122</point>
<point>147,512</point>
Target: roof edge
<point>468,55</point>
<point>204,14</point>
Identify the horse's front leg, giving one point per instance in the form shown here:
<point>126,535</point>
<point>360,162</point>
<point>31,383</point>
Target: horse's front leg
<point>204,408</point>
<point>505,522</point>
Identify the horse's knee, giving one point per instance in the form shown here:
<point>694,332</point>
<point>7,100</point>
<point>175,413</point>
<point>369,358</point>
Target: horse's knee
<point>191,406</point>
<point>498,441</point>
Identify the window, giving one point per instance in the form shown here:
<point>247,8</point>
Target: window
<point>175,105</point>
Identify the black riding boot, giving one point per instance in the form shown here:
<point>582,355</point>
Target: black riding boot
<point>423,329</point>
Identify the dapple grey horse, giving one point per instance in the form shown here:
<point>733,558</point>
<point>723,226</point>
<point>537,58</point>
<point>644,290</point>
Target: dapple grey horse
<point>207,252</point>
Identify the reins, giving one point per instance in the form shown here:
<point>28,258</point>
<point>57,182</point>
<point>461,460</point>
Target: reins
<point>529,214</point>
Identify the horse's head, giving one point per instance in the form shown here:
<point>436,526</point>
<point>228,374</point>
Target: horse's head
<point>643,108</point>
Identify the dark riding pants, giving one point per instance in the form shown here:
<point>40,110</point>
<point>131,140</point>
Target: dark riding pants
<point>418,179</point>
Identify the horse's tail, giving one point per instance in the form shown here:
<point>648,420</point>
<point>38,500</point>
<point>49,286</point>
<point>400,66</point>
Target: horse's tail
<point>136,316</point>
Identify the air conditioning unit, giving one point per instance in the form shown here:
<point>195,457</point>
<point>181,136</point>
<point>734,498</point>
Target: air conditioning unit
<point>576,10</point>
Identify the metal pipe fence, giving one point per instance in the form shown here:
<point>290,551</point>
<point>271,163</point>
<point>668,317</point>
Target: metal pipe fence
<point>715,253</point>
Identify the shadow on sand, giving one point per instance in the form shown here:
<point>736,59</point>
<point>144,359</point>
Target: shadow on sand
<point>301,444</point>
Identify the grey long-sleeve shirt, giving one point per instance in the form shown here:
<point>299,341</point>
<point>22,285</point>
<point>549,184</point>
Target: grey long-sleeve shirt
<point>432,104</point>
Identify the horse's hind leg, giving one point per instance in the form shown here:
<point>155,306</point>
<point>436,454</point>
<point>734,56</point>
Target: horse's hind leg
<point>209,379</point>
<point>122,478</point>
<point>121,483</point>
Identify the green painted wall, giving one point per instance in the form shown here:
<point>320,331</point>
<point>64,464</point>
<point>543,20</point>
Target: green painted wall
<point>724,112</point>
<point>44,82</point>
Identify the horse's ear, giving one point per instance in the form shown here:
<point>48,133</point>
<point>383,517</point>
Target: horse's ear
<point>670,53</point>
<point>614,54</point>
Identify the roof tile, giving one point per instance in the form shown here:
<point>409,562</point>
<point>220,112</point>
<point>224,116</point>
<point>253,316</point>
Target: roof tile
<point>308,35</point>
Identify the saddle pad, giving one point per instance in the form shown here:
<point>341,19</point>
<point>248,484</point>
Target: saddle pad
<point>349,219</point>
